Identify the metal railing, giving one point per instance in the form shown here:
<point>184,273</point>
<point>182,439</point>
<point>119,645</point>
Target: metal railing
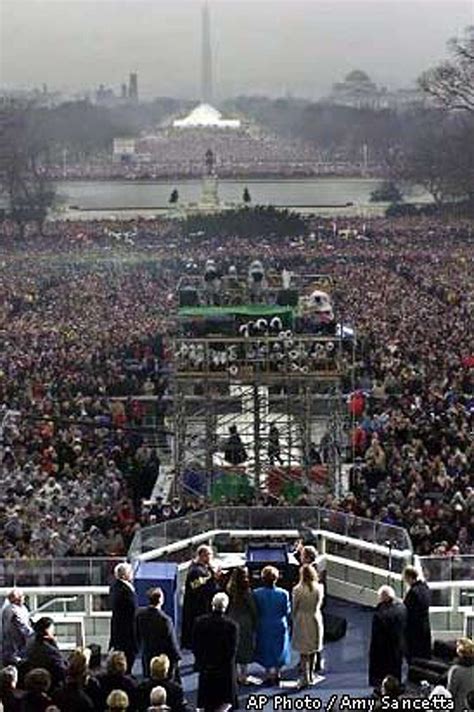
<point>360,556</point>
<point>447,568</point>
<point>53,572</point>
<point>269,518</point>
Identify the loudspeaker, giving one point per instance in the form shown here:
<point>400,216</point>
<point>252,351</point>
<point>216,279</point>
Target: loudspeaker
<point>434,671</point>
<point>335,627</point>
<point>287,298</point>
<point>188,297</point>
<point>445,650</point>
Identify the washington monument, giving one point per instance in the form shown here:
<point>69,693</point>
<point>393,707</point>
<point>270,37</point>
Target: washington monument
<point>206,69</point>
<point>205,114</point>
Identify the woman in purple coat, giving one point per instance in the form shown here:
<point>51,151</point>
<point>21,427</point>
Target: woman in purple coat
<point>273,627</point>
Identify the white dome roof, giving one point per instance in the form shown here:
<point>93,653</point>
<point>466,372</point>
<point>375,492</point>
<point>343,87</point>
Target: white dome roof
<point>206,115</point>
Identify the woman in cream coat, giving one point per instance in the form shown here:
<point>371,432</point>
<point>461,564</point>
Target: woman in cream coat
<point>308,629</point>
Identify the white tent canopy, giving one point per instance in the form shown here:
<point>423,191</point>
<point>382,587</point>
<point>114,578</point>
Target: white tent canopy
<point>206,116</point>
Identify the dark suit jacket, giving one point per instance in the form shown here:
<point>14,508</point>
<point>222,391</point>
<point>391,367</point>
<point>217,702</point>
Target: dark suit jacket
<point>45,654</point>
<point>418,633</point>
<point>215,639</point>
<point>387,643</point>
<point>155,635</point>
<point>35,702</point>
<point>123,602</point>
<point>12,700</point>
<point>111,681</point>
<point>73,698</point>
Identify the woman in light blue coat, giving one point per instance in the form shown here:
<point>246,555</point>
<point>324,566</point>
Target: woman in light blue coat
<point>273,627</point>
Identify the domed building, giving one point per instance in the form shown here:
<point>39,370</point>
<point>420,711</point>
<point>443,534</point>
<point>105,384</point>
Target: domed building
<point>357,76</point>
<point>359,91</point>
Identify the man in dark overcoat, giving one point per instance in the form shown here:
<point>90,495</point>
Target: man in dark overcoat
<point>234,450</point>
<point>155,633</point>
<point>387,643</point>
<point>123,603</point>
<point>417,602</point>
<point>215,640</point>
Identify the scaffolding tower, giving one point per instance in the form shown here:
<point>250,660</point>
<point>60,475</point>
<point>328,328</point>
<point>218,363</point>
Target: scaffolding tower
<point>294,384</point>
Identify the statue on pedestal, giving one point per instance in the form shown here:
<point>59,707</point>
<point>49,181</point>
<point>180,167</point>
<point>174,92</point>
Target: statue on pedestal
<point>210,186</point>
<point>210,162</point>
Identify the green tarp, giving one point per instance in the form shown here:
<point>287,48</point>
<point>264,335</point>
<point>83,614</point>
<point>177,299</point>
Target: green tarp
<point>231,487</point>
<point>246,310</point>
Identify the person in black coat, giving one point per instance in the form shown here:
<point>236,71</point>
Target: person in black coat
<point>37,685</point>
<point>116,678</point>
<point>234,450</point>
<point>155,633</point>
<point>43,652</point>
<point>199,589</point>
<point>160,675</point>
<point>123,602</point>
<point>9,696</point>
<point>387,643</point>
<point>417,602</point>
<point>215,640</point>
<point>81,691</point>
<point>71,697</point>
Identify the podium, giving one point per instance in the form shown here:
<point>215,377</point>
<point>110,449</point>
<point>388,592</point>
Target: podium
<point>259,555</point>
<point>155,574</point>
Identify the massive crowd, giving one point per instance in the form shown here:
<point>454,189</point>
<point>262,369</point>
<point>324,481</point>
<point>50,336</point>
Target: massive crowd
<point>171,152</point>
<point>79,345</point>
<point>85,305</point>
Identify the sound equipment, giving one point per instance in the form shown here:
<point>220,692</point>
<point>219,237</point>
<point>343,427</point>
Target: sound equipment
<point>433,671</point>
<point>188,297</point>
<point>335,627</point>
<point>444,650</point>
<point>287,298</point>
<point>222,325</point>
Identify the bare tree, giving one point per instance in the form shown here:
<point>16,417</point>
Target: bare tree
<point>451,83</point>
<point>438,154</point>
<point>23,156</point>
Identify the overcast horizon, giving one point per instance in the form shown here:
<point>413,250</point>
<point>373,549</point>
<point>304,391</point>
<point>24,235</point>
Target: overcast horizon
<point>267,47</point>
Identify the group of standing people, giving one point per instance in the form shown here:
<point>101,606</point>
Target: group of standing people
<point>146,630</point>
<point>400,629</point>
<point>229,629</point>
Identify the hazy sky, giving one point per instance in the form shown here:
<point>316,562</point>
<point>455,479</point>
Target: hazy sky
<point>260,46</point>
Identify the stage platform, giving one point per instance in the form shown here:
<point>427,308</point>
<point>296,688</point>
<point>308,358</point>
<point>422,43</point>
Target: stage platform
<point>345,664</point>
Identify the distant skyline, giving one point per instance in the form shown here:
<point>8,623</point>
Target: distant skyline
<point>267,47</point>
